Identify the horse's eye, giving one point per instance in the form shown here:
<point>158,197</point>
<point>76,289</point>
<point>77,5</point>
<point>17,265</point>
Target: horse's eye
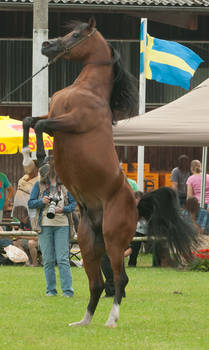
<point>76,35</point>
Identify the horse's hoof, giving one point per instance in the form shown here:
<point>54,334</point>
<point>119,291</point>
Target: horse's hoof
<point>78,324</point>
<point>25,150</point>
<point>111,324</point>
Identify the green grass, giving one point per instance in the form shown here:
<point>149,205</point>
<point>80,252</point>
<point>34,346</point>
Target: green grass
<point>165,309</point>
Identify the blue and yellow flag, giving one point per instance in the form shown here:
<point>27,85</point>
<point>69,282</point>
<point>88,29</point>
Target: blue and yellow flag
<point>167,61</point>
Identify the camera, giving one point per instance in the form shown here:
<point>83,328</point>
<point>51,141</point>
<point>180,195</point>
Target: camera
<point>54,199</point>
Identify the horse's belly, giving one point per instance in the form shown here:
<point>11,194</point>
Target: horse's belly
<point>87,165</point>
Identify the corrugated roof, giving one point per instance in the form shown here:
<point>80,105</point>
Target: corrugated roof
<point>176,3</point>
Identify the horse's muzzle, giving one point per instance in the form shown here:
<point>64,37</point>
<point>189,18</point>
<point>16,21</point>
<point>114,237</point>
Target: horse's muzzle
<point>52,48</point>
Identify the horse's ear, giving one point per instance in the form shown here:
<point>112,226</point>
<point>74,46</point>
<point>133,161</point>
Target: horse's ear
<point>91,23</point>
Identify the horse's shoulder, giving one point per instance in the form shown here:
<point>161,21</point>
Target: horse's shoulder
<point>58,94</point>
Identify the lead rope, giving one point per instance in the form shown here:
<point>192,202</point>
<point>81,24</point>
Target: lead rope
<point>32,76</point>
<point>66,50</point>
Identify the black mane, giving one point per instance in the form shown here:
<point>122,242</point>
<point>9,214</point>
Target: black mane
<point>124,98</point>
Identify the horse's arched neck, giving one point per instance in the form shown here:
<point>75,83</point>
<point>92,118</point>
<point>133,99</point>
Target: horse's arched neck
<point>97,72</point>
<point>98,60</point>
<point>100,53</point>
<point>99,63</point>
<point>97,77</point>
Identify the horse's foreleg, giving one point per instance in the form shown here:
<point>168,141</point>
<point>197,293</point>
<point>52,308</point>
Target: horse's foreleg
<point>40,128</point>
<point>96,286</point>
<point>28,122</point>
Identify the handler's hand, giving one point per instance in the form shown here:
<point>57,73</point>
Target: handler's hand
<point>46,200</point>
<point>58,210</point>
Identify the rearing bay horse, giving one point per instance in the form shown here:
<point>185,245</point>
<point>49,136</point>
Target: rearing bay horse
<point>80,119</point>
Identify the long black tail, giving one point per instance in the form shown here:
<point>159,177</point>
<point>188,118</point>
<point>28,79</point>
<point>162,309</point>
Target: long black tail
<point>161,210</point>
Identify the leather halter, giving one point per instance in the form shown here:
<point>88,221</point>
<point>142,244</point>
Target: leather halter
<point>66,50</point>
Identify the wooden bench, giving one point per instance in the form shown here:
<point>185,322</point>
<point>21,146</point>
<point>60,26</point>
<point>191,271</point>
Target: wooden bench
<point>15,234</point>
<point>10,223</point>
<point>74,253</point>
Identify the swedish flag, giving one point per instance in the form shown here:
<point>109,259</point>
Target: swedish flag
<point>167,61</point>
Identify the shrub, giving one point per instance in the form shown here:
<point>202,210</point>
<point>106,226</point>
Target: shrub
<point>201,261</point>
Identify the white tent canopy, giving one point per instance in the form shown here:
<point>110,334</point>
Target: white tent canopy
<point>183,122</point>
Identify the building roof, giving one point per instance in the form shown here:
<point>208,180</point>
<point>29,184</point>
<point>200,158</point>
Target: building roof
<point>143,3</point>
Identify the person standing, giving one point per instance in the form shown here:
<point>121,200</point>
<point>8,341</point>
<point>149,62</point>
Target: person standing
<point>5,185</point>
<point>52,202</point>
<point>194,183</point>
<point>179,176</point>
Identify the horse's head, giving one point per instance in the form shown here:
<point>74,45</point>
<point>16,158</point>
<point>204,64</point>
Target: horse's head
<point>62,46</point>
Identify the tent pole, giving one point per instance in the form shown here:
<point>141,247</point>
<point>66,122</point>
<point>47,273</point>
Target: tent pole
<point>142,107</point>
<point>203,179</point>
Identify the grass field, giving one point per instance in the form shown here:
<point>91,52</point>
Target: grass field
<point>165,309</point>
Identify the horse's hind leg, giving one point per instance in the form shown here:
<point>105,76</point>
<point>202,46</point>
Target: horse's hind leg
<point>96,286</point>
<point>120,282</point>
<point>92,248</point>
<point>119,225</point>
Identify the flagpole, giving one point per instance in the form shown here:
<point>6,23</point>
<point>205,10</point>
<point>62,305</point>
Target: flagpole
<point>142,106</point>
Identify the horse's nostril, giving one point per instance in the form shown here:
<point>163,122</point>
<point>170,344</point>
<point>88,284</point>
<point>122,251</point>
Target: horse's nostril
<point>46,44</point>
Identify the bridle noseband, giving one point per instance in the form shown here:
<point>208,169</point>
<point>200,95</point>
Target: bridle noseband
<point>66,50</point>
